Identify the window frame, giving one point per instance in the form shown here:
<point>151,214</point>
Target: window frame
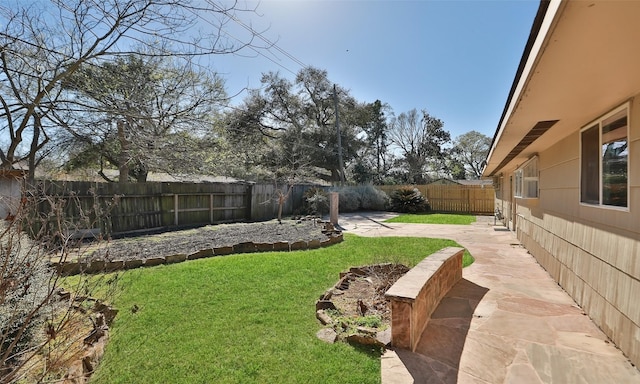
<point>521,179</point>
<point>599,124</point>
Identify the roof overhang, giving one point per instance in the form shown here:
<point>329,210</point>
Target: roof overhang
<point>581,60</point>
<point>12,173</point>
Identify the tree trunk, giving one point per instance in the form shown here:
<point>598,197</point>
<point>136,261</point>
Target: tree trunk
<point>123,166</point>
<point>34,148</point>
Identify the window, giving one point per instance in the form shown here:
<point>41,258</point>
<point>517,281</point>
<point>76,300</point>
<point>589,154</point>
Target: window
<point>526,180</point>
<point>604,160</point>
<point>497,186</point>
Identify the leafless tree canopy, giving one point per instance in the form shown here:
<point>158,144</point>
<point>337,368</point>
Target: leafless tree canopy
<point>42,44</point>
<point>420,138</point>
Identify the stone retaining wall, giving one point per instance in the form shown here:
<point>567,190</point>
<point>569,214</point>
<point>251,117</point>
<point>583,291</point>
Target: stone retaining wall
<point>416,295</point>
<point>101,266</point>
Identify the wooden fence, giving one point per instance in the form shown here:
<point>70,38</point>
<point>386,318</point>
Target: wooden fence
<point>474,199</point>
<point>265,200</point>
<point>90,208</point>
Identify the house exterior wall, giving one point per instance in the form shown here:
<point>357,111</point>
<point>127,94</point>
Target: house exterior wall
<point>592,252</point>
<point>10,193</point>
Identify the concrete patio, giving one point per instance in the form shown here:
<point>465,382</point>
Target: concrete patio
<point>506,321</point>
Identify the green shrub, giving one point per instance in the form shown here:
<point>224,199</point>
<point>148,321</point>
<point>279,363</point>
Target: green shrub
<point>361,197</point>
<point>372,199</point>
<point>316,201</point>
<point>349,200</point>
<point>409,200</point>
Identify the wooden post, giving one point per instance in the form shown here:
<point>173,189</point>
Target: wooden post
<point>211,208</point>
<point>248,203</point>
<point>334,200</point>
<point>175,209</point>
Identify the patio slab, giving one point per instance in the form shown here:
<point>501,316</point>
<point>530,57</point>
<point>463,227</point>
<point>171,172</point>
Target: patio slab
<point>506,321</point>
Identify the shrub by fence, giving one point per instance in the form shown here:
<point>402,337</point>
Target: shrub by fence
<point>473,199</point>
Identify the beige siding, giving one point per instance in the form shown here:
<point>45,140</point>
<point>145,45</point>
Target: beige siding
<point>593,252</point>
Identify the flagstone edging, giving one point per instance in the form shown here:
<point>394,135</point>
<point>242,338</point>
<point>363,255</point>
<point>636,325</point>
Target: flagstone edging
<point>100,266</point>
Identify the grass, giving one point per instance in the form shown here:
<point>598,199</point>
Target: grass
<point>247,318</point>
<point>433,218</point>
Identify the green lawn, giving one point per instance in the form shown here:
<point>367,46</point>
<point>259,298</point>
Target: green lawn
<point>433,218</point>
<point>246,318</point>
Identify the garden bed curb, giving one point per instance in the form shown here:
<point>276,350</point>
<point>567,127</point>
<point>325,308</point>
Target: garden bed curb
<point>100,266</point>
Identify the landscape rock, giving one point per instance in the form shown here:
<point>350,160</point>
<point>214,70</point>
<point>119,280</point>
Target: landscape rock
<point>175,258</point>
<point>327,335</point>
<point>313,244</point>
<point>221,251</point>
<point>384,337</point>
<point>281,246</point>
<point>246,247</point>
<point>324,304</point>
<point>200,254</point>
<point>131,264</point>
<point>152,262</point>
<point>264,247</point>
<point>114,265</point>
<point>323,317</point>
<point>67,269</point>
<point>96,266</point>
<point>364,340</point>
<point>298,245</point>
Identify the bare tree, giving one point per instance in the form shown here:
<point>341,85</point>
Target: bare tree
<point>43,44</point>
<point>140,114</point>
<point>375,159</point>
<point>38,323</point>
<point>420,139</point>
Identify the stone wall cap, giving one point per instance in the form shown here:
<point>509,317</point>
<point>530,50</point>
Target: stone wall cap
<point>408,287</point>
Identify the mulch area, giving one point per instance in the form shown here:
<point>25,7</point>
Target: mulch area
<point>208,237</point>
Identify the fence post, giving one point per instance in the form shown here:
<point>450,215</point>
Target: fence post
<point>334,200</point>
<point>248,201</point>
<point>211,208</point>
<point>175,209</point>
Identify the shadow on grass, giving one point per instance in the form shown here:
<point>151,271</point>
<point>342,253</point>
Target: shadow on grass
<point>369,350</point>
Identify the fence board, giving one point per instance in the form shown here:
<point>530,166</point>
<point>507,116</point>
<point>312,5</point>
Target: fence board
<point>119,209</point>
<point>455,198</point>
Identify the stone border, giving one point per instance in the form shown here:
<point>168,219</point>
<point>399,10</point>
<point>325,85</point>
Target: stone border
<point>362,335</point>
<point>100,266</point>
<point>81,369</point>
<point>416,295</point>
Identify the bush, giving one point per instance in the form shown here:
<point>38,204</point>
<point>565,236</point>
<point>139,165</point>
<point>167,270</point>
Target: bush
<point>316,201</point>
<point>25,280</point>
<point>362,197</point>
<point>409,200</point>
<point>349,200</point>
<point>39,328</point>
<point>372,199</point>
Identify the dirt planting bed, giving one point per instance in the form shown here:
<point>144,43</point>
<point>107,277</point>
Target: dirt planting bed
<point>355,309</point>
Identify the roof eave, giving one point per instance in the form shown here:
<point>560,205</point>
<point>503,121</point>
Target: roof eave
<point>541,26</point>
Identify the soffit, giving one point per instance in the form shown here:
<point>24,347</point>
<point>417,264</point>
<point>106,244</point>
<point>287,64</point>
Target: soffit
<point>588,64</point>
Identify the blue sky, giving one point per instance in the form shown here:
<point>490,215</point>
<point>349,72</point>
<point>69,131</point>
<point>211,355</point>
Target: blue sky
<point>456,59</point>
